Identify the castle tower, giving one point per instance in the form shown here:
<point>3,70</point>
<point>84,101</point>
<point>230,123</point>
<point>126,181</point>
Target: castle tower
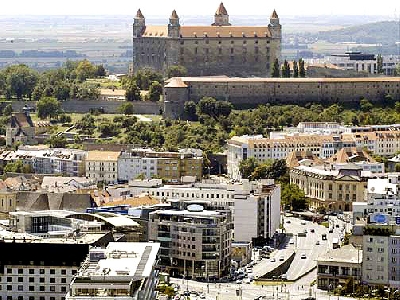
<point>174,26</point>
<point>221,17</point>
<point>274,26</point>
<point>139,24</point>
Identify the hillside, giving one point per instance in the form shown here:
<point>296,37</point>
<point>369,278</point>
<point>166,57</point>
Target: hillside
<point>385,33</point>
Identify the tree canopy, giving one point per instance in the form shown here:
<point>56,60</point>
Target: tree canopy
<point>48,107</point>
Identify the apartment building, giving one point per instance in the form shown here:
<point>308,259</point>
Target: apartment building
<point>43,160</point>
<point>382,202</point>
<point>262,206</point>
<point>334,187</point>
<point>193,242</point>
<point>170,166</point>
<point>38,268</point>
<point>262,149</point>
<point>337,266</point>
<point>102,166</point>
<point>121,271</point>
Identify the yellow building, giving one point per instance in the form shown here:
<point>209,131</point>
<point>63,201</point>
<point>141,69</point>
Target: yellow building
<point>102,166</point>
<point>8,201</point>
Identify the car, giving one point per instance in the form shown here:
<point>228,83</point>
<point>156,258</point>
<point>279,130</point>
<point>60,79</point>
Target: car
<point>291,242</point>
<point>317,243</point>
<point>202,296</point>
<point>305,230</point>
<point>288,221</point>
<point>303,256</point>
<point>337,226</point>
<point>272,259</point>
<point>247,281</point>
<point>303,223</point>
<point>282,258</point>
<point>330,230</point>
<point>312,230</point>
<point>239,281</point>
<point>284,277</point>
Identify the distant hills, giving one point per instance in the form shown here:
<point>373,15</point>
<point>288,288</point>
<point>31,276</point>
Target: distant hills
<point>385,33</point>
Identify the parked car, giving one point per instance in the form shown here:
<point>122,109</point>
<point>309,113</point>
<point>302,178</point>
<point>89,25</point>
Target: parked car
<point>303,256</point>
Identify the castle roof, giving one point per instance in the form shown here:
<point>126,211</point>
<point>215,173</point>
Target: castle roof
<point>175,82</point>
<point>174,15</point>
<point>210,31</point>
<point>221,11</point>
<point>139,14</point>
<point>274,15</point>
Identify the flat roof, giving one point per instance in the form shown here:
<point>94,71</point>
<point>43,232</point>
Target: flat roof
<point>344,254</point>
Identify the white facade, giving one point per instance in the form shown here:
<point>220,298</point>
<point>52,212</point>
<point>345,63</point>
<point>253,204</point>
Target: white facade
<point>102,166</point>
<point>257,215</point>
<point>121,271</point>
<point>130,167</point>
<point>375,263</point>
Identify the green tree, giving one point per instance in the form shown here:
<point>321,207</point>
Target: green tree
<point>295,69</point>
<point>86,125</point>
<point>109,129</point>
<point>132,91</point>
<point>145,77</point>
<point>57,141</point>
<point>302,69</point>
<point>190,110</point>
<point>379,64</point>
<point>285,69</point>
<point>365,105</point>
<point>48,107</point>
<point>126,109</point>
<point>176,71</point>
<point>155,91</point>
<point>100,71</point>
<point>247,167</point>
<point>18,167</point>
<point>293,198</point>
<point>275,69</point>
<point>84,70</point>
<point>8,110</point>
<point>20,81</point>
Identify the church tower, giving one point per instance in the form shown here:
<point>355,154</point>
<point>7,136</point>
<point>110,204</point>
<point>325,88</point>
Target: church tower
<point>221,17</point>
<point>139,24</point>
<point>174,26</point>
<point>274,26</point>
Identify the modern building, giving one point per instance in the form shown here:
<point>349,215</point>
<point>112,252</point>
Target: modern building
<point>44,160</point>
<point>20,130</point>
<point>125,271</point>
<point>193,242</point>
<point>253,91</point>
<point>218,49</point>
<point>382,202</point>
<point>337,266</point>
<point>40,268</point>
<point>170,166</point>
<point>263,206</point>
<point>102,166</point>
<point>334,187</point>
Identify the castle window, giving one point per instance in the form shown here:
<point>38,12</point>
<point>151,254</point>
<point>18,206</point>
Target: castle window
<point>268,42</point>
<point>182,42</point>
<point>232,42</point>
<point>244,42</point>
<point>256,50</point>
<point>195,50</point>
<point>196,42</point>
<point>256,42</point>
<point>219,42</point>
<point>219,50</point>
<point>231,50</point>
<point>182,50</point>
<point>207,41</point>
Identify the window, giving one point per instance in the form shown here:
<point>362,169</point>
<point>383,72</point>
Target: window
<point>20,271</point>
<point>20,279</point>
<point>9,279</point>
<point>9,271</point>
<point>41,288</point>
<point>41,271</point>
<point>31,271</point>
<point>52,288</point>
<point>20,298</point>
<point>20,288</point>
<point>52,280</point>
<point>63,289</point>
<point>9,287</point>
<point>52,271</point>
<point>63,280</point>
<point>31,279</point>
<point>41,279</point>
<point>31,288</point>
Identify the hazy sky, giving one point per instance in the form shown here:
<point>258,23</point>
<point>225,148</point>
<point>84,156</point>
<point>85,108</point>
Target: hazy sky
<point>203,7</point>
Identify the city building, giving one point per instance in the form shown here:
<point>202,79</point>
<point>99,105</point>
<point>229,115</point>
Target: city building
<point>263,205</point>
<point>253,91</point>
<point>334,187</point>
<point>41,268</point>
<point>381,256</point>
<point>219,49</point>
<point>337,266</point>
<point>125,271</point>
<point>382,203</point>
<point>193,242</point>
<point>20,130</point>
<point>170,166</point>
<point>44,160</point>
<point>102,166</point>
<point>8,200</point>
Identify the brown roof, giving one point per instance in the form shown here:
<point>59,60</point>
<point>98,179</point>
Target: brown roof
<point>210,31</point>
<point>174,15</point>
<point>221,11</point>
<point>139,14</point>
<point>135,201</point>
<point>175,82</point>
<point>293,158</point>
<point>103,156</point>
<point>352,154</point>
<point>274,15</point>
